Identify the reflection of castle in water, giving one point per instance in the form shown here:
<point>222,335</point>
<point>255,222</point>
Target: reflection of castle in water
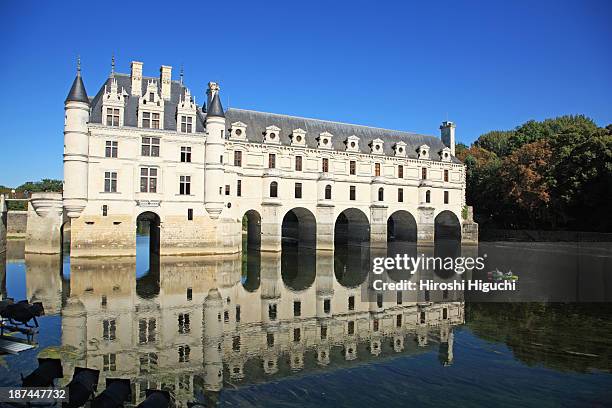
<point>207,321</point>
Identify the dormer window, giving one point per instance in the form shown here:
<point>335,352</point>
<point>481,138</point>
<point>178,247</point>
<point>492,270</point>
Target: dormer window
<point>151,108</point>
<point>423,152</point>
<point>352,143</point>
<point>186,113</point>
<point>324,140</point>
<point>298,137</point>
<point>186,124</point>
<point>376,146</point>
<point>238,131</point>
<point>113,103</point>
<point>400,149</point>
<point>272,135</point>
<point>445,154</point>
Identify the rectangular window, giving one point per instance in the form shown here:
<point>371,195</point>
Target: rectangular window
<point>147,330</point>
<point>445,175</point>
<point>150,146</point>
<point>325,165</point>
<point>326,306</point>
<point>151,97</point>
<point>400,195</point>
<point>399,297</point>
<point>352,193</point>
<point>237,313</point>
<point>112,116</point>
<point>297,308</point>
<point>109,362</point>
<point>298,163</point>
<point>398,321</point>
<point>351,328</point>
<point>104,210</point>
<point>446,197</point>
<point>352,167</point>
<point>184,324</point>
<point>239,188</point>
<point>297,335</point>
<point>272,312</point>
<point>185,154</point>
<point>186,124</point>
<point>238,158</point>
<point>424,173</point>
<point>323,332</point>
<point>351,303</point>
<point>148,180</point>
<point>110,182</point>
<point>272,161</point>
<point>150,120</point>
<point>377,169</point>
<point>185,185</point>
<point>109,329</point>
<point>190,214</point>
<point>270,339</point>
<point>400,171</point>
<point>111,149</point>
<point>189,293</point>
<point>298,190</point>
<point>375,325</point>
<point>184,352</point>
<point>227,189</point>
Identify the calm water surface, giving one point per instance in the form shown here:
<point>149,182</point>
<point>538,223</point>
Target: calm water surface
<point>282,330</point>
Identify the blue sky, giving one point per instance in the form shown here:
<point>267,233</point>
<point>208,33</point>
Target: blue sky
<point>407,65</point>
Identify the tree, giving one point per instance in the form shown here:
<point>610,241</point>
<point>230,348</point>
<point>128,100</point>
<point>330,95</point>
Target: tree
<point>40,186</point>
<point>496,141</point>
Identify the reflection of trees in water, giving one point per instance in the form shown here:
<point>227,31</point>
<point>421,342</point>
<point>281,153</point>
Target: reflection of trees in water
<point>351,265</point>
<point>298,266</point>
<point>576,336</point>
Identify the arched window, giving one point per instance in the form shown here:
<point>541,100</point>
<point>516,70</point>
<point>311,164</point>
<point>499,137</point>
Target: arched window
<point>381,194</point>
<point>274,189</point>
<point>328,192</point>
<point>428,196</point>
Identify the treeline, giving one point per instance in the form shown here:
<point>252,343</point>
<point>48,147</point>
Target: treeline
<point>27,188</point>
<point>554,174</point>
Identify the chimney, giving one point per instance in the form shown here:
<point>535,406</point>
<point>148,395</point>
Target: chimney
<point>136,78</point>
<point>447,134</point>
<point>165,78</point>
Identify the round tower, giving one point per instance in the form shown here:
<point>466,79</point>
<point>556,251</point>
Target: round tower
<point>215,149</point>
<point>76,147</point>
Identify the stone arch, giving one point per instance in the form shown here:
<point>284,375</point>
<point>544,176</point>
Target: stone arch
<point>401,227</point>
<point>352,228</point>
<point>299,228</point>
<point>447,227</point>
<point>251,230</point>
<point>351,265</point>
<point>147,242</point>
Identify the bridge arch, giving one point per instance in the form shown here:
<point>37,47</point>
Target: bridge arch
<point>447,227</point>
<point>351,228</point>
<point>251,230</point>
<point>401,227</point>
<point>299,228</point>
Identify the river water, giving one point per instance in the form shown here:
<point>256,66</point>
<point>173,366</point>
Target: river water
<point>294,329</point>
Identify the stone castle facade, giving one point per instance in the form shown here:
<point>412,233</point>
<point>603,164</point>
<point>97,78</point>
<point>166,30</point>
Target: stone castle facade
<point>142,145</point>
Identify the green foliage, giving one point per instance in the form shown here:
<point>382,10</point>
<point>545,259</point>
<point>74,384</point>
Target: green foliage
<point>41,186</point>
<point>551,174</point>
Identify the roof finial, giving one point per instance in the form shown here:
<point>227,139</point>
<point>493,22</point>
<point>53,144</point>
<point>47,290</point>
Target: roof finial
<point>182,74</point>
<point>78,65</point>
<point>113,66</point>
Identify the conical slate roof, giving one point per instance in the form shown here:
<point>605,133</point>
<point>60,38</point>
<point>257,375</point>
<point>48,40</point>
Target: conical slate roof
<point>77,92</point>
<point>215,108</point>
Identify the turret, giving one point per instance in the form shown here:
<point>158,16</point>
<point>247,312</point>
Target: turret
<point>215,149</point>
<point>76,147</point>
<point>447,133</point>
<point>213,338</point>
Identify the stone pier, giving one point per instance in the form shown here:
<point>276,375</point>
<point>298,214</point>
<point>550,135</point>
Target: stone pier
<point>44,229</point>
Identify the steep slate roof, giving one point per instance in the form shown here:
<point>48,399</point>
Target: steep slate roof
<point>258,121</point>
<point>131,107</point>
<point>77,91</point>
<point>215,108</point>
